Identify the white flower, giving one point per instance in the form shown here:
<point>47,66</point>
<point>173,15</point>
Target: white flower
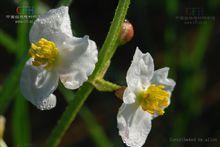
<point>55,54</point>
<point>146,96</point>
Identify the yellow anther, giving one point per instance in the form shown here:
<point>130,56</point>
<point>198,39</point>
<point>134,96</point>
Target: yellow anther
<point>44,53</point>
<point>154,99</point>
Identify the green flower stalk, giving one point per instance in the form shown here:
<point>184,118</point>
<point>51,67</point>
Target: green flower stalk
<point>107,51</point>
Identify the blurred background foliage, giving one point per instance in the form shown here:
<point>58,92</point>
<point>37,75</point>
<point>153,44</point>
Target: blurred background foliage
<point>190,50</point>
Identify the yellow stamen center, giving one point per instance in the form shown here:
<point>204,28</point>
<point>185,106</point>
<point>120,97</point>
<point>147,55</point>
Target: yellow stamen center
<point>44,52</point>
<point>154,99</point>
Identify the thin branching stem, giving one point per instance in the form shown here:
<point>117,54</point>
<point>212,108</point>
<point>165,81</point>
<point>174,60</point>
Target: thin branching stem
<point>107,51</point>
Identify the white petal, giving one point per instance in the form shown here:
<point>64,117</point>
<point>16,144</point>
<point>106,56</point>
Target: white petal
<point>37,85</point>
<point>141,71</point>
<point>134,124</point>
<point>53,26</point>
<point>128,96</point>
<point>47,103</point>
<point>160,78</point>
<point>78,59</point>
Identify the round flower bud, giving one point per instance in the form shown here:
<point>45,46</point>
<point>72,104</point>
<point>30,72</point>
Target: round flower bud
<point>127,32</point>
<point>2,126</point>
<point>119,92</point>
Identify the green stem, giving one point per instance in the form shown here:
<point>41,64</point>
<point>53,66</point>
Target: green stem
<point>107,51</point>
<point>65,3</point>
<point>105,86</point>
<point>23,44</point>
<point>69,115</point>
<point>20,122</point>
<point>95,130</point>
<point>8,42</point>
<point>10,83</point>
<point>111,42</point>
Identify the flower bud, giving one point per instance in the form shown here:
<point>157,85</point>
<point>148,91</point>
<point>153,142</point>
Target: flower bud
<point>119,92</point>
<point>2,126</point>
<point>127,32</point>
<point>2,143</point>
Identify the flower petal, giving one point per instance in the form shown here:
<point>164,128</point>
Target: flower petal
<point>47,103</point>
<point>128,96</point>
<point>160,78</point>
<point>37,86</point>
<point>78,59</point>
<point>53,26</point>
<point>134,124</point>
<point>141,71</point>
